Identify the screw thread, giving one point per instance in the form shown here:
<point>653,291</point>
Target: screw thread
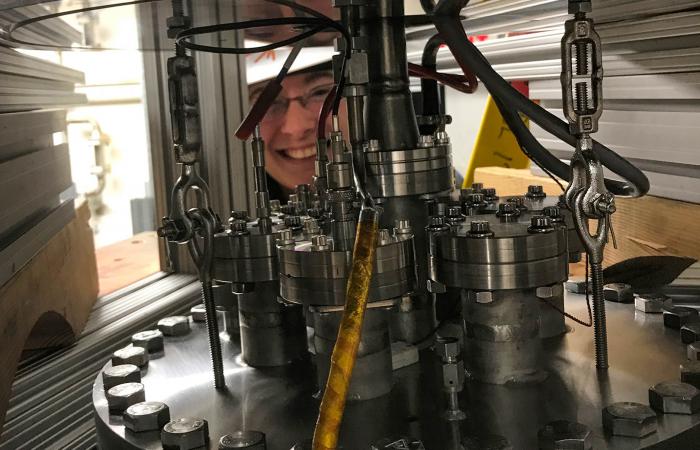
<point>599,324</point>
<point>581,58</point>
<point>213,333</point>
<point>581,97</point>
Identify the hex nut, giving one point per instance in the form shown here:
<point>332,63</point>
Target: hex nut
<point>693,351</point>
<point>618,292</point>
<point>447,348</point>
<point>677,316</point>
<point>174,325</point>
<point>151,340</point>
<point>562,434</point>
<point>121,396</point>
<point>648,305</point>
<point>481,296</point>
<point>250,439</point>
<point>199,313</point>
<point>690,373</point>
<point>674,397</point>
<point>137,356</point>
<point>146,416</point>
<point>690,333</point>
<point>555,290</point>
<point>629,419</point>
<point>123,373</point>
<point>453,375</point>
<point>185,433</point>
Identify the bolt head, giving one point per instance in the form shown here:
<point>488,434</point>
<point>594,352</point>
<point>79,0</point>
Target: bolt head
<point>121,396</point>
<point>674,397</point>
<point>693,351</point>
<point>562,434</point>
<point>577,286</point>
<point>199,313</point>
<point>250,439</point>
<point>151,340</point>
<point>629,419</point>
<point>677,316</point>
<point>648,305</point>
<point>123,373</point>
<point>540,224</point>
<point>690,333</point>
<point>146,416</point>
<point>275,205</point>
<point>481,296</point>
<point>174,325</point>
<point>535,191</point>
<point>690,373</point>
<point>480,228</point>
<point>137,356</point>
<point>477,187</point>
<point>618,292</point>
<point>545,292</point>
<point>185,433</point>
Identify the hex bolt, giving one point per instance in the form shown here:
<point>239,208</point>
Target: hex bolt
<point>447,349</point>
<point>293,222</point>
<point>562,434</point>
<point>629,419</point>
<point>507,212</point>
<point>199,313</point>
<point>311,227</point>
<point>436,222</point>
<point>240,214</point>
<point>146,416</point>
<point>123,373</point>
<point>425,140</point>
<point>384,237</point>
<point>519,203</point>
<point>248,439</point>
<point>690,333</point>
<point>454,214</point>
<point>453,374</point>
<point>121,396</point>
<point>185,433</point>
<point>286,238</point>
<point>239,226</point>
<point>535,191</point>
<point>402,227</point>
<point>480,229</point>
<point>151,340</point>
<point>481,296</point>
<point>320,242</point>
<point>693,351</point>
<point>540,224</point>
<point>490,194</point>
<point>546,292</point>
<point>174,325</point>
<point>137,356</point>
<point>577,286</point>
<point>618,293</point>
<point>477,187</point>
<point>674,397</point>
<point>648,304</point>
<point>554,214</point>
<point>677,316</point>
<point>275,206</point>
<point>690,373</point>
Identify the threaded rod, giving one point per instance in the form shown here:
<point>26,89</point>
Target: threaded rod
<point>213,333</point>
<point>600,327</point>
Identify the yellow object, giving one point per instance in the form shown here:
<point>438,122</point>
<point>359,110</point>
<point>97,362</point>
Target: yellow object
<point>330,414</point>
<point>495,145</point>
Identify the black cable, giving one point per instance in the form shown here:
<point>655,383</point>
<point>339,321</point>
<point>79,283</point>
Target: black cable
<point>452,31</point>
<point>181,38</point>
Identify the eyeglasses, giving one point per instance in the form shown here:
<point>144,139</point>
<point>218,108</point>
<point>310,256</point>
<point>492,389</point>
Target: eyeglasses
<point>311,101</point>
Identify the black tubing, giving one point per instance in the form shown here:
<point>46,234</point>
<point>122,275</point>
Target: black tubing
<point>452,31</point>
<point>429,88</point>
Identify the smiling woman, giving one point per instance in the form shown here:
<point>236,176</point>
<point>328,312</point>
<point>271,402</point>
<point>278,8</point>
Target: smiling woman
<point>289,127</point>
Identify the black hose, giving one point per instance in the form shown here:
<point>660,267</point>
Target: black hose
<point>452,31</point>
<point>429,88</point>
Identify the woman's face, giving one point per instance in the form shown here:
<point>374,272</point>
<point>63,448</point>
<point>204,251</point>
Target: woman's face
<point>289,127</point>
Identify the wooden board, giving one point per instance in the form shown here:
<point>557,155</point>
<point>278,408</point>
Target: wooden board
<point>643,226</point>
<point>123,263</point>
<point>47,303</point>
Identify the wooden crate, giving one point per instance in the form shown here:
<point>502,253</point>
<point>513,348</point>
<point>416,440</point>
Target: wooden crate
<point>47,303</point>
<point>643,226</point>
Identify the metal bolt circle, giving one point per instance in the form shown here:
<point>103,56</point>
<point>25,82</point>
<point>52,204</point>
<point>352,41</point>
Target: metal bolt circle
<point>174,325</point>
<point>146,416</point>
<point>564,434</point>
<point>674,397</point>
<point>629,419</point>
<point>121,396</point>
<point>130,354</point>
<point>199,313</point>
<point>185,433</point>
<point>150,340</point>
<point>249,439</point>
<point>119,374</point>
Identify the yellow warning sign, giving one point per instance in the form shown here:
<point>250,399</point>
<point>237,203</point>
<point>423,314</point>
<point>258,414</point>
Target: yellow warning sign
<point>495,145</point>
